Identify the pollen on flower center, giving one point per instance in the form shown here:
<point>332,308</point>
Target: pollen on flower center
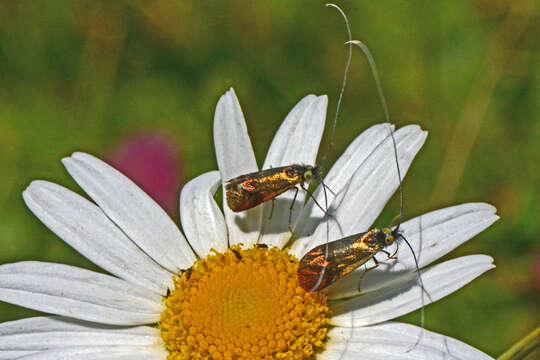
<point>243,304</point>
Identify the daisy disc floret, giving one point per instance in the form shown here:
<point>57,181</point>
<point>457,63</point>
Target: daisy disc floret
<point>243,304</point>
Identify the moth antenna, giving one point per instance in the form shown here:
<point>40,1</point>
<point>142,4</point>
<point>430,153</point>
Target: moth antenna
<point>399,178</point>
<point>344,83</point>
<point>382,98</point>
<point>423,289</point>
<point>421,282</point>
<point>375,73</point>
<point>331,142</point>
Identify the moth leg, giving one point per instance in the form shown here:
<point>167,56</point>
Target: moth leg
<point>315,201</point>
<point>291,208</point>
<point>393,256</point>
<point>365,271</point>
<point>395,252</point>
<point>271,210</point>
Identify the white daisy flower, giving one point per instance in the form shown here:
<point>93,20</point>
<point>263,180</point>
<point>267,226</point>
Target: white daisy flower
<point>237,302</point>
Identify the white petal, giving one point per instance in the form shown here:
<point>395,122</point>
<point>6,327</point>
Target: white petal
<point>296,142</point>
<point>396,341</point>
<point>87,229</point>
<point>77,293</point>
<point>431,235</point>
<point>235,157</point>
<point>340,174</point>
<point>102,353</point>
<point>10,355</point>
<point>360,202</point>
<point>406,295</point>
<point>202,220</point>
<point>298,138</point>
<point>46,333</point>
<point>140,217</point>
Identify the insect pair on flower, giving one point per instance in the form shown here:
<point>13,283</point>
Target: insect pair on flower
<point>324,264</point>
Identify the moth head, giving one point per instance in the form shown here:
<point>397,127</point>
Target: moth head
<point>387,236</point>
<point>308,174</point>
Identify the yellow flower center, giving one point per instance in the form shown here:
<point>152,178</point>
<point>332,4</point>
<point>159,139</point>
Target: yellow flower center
<point>243,304</point>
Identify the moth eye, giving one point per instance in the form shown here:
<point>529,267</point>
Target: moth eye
<point>389,240</point>
<point>307,176</point>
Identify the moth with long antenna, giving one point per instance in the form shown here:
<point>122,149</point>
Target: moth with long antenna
<point>249,190</point>
<point>329,262</point>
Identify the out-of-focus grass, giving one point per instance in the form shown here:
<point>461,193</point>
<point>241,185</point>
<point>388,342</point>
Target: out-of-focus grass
<point>84,75</point>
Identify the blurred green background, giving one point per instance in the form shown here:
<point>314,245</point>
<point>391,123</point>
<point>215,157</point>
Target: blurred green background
<point>86,75</point>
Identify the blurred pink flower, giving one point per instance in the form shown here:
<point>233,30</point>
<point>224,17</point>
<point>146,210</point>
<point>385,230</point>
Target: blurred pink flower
<point>152,161</point>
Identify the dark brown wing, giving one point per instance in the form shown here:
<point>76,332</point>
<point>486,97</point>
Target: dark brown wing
<point>319,268</point>
<point>250,190</point>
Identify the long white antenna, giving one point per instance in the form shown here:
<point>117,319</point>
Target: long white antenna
<point>331,143</point>
<point>375,73</point>
<point>344,83</point>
